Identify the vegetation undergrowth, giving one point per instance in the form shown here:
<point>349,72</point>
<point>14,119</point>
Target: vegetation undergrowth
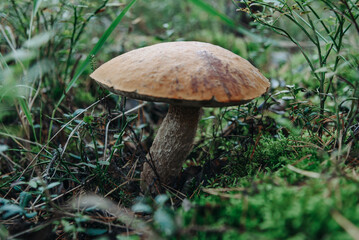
<point>284,166</point>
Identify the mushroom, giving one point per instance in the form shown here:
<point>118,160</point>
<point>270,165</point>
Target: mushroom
<point>187,76</point>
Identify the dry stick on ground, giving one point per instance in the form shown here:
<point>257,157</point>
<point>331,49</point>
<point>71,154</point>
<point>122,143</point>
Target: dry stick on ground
<point>124,215</point>
<point>59,196</point>
<point>11,163</point>
<point>16,139</point>
<point>347,225</point>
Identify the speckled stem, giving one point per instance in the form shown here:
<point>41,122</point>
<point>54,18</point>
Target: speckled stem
<point>171,146</point>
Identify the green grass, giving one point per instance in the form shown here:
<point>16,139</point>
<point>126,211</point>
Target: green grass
<point>284,166</point>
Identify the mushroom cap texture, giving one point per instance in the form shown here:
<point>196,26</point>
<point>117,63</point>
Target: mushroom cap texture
<point>195,74</point>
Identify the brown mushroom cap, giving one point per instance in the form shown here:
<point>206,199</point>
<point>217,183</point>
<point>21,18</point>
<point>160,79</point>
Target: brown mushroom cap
<point>187,73</point>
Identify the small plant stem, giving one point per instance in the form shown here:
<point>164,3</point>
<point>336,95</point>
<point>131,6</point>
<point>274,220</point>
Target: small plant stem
<point>23,26</point>
<point>72,43</point>
<point>351,16</point>
<point>45,21</point>
<point>94,142</point>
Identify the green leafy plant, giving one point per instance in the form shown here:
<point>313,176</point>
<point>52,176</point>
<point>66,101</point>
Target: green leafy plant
<point>163,215</point>
<point>320,30</point>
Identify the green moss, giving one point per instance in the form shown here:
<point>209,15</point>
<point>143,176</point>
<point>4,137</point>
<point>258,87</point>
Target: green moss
<point>272,210</point>
<point>271,154</point>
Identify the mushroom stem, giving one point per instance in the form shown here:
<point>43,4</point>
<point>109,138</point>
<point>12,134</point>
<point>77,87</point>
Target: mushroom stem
<point>171,146</point>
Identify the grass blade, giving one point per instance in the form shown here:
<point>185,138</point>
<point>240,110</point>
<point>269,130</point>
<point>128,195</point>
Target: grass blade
<point>27,113</point>
<point>35,8</point>
<point>3,64</point>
